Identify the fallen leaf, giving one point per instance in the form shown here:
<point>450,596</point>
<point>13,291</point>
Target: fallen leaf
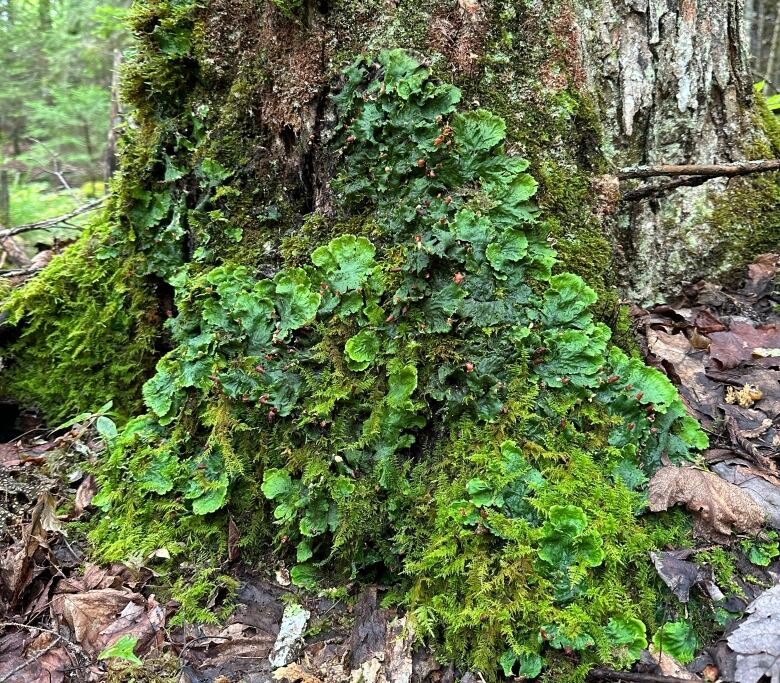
<point>707,323</point>
<point>33,659</point>
<point>87,614</point>
<point>681,575</point>
<point>756,641</point>
<point>84,495</point>
<point>760,485</point>
<point>233,538</point>
<point>730,348</point>
<point>716,505</point>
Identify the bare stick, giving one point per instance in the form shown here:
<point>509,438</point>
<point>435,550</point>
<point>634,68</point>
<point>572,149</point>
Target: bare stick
<point>647,191</point>
<point>708,170</point>
<point>50,223</point>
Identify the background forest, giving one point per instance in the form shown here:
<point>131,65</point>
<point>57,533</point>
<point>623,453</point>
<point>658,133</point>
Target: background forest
<point>56,59</point>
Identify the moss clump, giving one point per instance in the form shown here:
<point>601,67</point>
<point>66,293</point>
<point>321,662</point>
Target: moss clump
<point>415,392</point>
<point>88,330</point>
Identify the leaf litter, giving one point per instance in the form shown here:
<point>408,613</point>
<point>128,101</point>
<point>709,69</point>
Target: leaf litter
<point>721,347</point>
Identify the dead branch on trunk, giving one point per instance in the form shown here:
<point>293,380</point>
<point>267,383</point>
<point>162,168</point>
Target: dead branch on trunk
<point>50,223</point>
<point>706,170</point>
<point>688,175</point>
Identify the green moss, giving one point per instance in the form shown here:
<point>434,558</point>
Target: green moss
<point>746,215</point>
<point>88,329</point>
<point>415,392</point>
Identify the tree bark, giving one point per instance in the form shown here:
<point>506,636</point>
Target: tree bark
<point>586,87</point>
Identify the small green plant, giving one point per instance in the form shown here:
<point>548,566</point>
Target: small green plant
<point>678,639</point>
<point>123,648</point>
<point>762,551</point>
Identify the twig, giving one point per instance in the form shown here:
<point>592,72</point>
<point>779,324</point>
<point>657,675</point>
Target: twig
<point>52,222</point>
<point>629,677</point>
<point>32,659</point>
<point>708,170</point>
<point>19,272</point>
<point>647,191</point>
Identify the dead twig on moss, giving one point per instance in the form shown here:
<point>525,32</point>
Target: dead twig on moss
<point>50,223</point>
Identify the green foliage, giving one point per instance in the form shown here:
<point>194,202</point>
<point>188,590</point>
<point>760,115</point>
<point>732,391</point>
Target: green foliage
<point>419,396</point>
<point>122,649</point>
<point>762,552</point>
<point>678,639</point>
<point>629,635</point>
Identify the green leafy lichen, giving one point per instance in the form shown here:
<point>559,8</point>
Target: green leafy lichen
<point>419,399</point>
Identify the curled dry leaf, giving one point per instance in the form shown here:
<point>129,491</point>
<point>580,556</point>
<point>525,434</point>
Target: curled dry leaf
<point>717,506</point>
<point>84,495</point>
<point>295,673</point>
<point>738,344</point>
<point>762,486</point>
<point>682,575</point>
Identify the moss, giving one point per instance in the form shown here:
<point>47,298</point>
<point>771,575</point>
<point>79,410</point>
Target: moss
<point>746,214</point>
<point>88,331</point>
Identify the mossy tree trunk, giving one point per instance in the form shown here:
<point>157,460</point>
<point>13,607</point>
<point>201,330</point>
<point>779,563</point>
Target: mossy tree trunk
<point>586,87</point>
<point>369,359</point>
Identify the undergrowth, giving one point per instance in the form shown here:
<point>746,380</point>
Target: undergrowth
<point>417,397</point>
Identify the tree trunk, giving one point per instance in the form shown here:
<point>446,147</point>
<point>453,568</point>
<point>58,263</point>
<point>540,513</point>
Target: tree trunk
<point>587,88</point>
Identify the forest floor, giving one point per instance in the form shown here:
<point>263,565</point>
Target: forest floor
<point>719,346</point>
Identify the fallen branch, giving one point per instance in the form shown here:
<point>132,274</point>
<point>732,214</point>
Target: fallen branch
<point>706,170</point>
<point>49,223</point>
<point>629,677</point>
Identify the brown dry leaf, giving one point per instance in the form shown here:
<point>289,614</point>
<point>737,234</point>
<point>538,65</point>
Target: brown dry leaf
<point>760,484</point>
<point>84,495</point>
<point>707,323</point>
<point>737,345</point>
<point>87,614</point>
<point>234,536</point>
<point>17,565</point>
<point>716,505</point>
<point>37,659</point>
<point>294,673</point>
<point>760,275</point>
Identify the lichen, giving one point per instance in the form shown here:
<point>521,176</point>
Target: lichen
<point>416,395</point>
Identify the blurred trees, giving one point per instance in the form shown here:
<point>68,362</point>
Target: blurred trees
<point>763,20</point>
<point>56,61</point>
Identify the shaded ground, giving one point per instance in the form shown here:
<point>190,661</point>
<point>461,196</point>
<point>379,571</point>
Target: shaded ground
<point>58,613</point>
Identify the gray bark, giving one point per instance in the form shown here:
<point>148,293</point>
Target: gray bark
<point>676,89</point>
